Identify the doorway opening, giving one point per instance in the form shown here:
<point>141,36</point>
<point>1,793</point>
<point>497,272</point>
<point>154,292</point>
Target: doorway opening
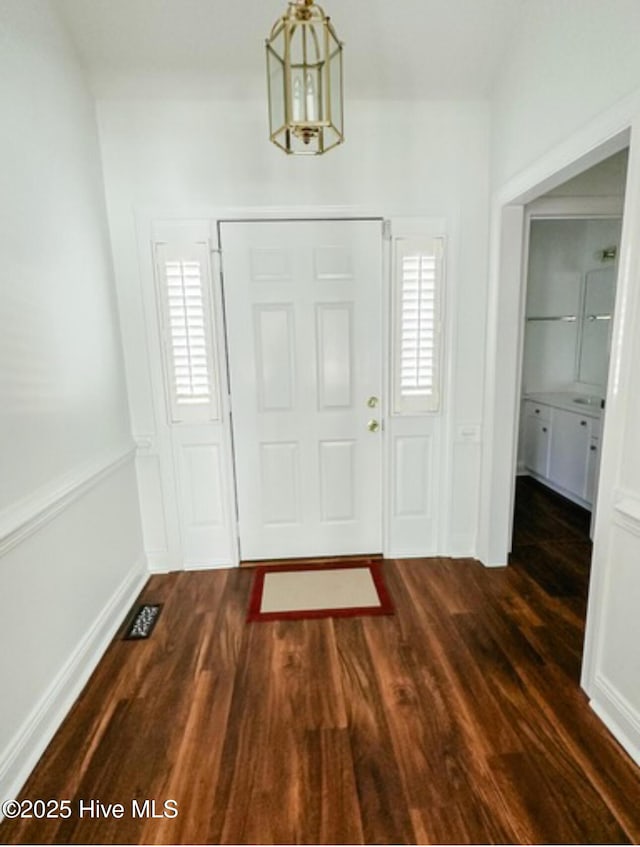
<point>570,267</point>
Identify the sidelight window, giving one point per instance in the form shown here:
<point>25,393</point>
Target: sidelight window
<point>418,266</point>
<point>183,277</point>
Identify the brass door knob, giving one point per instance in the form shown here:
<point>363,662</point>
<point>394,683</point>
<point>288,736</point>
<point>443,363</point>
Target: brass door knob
<point>373,426</point>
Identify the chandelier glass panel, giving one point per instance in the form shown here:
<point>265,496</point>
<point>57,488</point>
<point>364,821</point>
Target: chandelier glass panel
<point>304,71</point>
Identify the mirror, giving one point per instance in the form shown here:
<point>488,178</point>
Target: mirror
<point>595,336</point>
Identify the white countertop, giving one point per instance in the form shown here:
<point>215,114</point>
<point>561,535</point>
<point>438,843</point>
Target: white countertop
<point>569,401</point>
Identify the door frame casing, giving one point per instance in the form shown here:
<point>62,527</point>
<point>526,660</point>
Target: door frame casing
<point>258,215</point>
<point>545,209</point>
<point>156,450</point>
<point>505,326</point>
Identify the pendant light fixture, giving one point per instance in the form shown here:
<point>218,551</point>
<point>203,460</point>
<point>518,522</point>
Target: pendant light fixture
<point>304,72</point>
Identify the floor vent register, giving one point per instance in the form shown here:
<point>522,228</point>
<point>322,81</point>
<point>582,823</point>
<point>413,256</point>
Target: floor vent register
<point>143,622</point>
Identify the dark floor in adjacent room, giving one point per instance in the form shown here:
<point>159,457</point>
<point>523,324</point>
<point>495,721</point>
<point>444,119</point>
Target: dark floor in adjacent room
<point>457,720</point>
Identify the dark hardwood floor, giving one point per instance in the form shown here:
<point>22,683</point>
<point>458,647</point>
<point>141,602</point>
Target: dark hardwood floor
<point>457,720</point>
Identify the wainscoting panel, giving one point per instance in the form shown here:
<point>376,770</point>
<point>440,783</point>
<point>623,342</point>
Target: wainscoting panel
<point>616,693</point>
<point>202,497</point>
<point>154,522</point>
<point>414,470</point>
<point>74,576</point>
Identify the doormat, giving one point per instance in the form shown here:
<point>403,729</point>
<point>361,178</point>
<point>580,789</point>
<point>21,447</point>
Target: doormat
<point>336,590</point>
<point>143,622</point>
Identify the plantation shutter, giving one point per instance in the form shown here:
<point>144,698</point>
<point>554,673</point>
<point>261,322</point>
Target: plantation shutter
<point>417,286</point>
<point>184,295</point>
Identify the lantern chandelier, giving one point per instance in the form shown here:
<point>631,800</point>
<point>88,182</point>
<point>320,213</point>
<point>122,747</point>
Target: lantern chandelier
<point>304,72</point>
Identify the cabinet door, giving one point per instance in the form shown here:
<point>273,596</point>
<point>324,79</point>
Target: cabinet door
<point>569,452</point>
<point>536,452</point>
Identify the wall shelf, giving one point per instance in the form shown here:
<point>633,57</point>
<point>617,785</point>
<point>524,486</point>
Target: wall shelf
<point>566,318</point>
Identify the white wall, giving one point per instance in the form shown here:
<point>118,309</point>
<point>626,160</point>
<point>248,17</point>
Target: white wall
<point>606,179</point>
<point>62,393</point>
<point>189,159</point>
<point>69,526</point>
<point>569,61</point>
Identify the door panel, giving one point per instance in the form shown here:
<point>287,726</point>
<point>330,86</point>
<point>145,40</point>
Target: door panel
<point>304,335</point>
<point>334,355</point>
<point>273,327</point>
<point>569,451</point>
<point>537,440</point>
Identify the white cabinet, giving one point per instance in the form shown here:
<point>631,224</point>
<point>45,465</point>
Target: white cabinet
<point>562,449</point>
<point>569,451</point>
<point>537,438</point>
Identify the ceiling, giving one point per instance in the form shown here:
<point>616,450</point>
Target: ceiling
<point>407,50</point>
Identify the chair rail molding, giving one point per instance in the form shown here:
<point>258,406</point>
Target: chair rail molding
<point>23,518</point>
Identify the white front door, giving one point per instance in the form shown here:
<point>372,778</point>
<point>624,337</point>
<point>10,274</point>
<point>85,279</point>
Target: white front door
<point>304,334</point>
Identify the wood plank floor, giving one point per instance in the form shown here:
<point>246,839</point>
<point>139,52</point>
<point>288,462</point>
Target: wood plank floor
<point>457,720</point>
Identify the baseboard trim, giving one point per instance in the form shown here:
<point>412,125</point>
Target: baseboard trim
<point>568,495</point>
<point>412,554</point>
<point>31,740</point>
<point>22,519</point>
<point>618,715</point>
<point>162,563</point>
<point>213,565</point>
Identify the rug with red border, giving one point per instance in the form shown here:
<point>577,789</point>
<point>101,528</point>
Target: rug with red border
<point>335,590</point>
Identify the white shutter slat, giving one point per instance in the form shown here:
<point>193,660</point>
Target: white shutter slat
<point>417,283</point>
<point>186,326</point>
<point>182,279</point>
